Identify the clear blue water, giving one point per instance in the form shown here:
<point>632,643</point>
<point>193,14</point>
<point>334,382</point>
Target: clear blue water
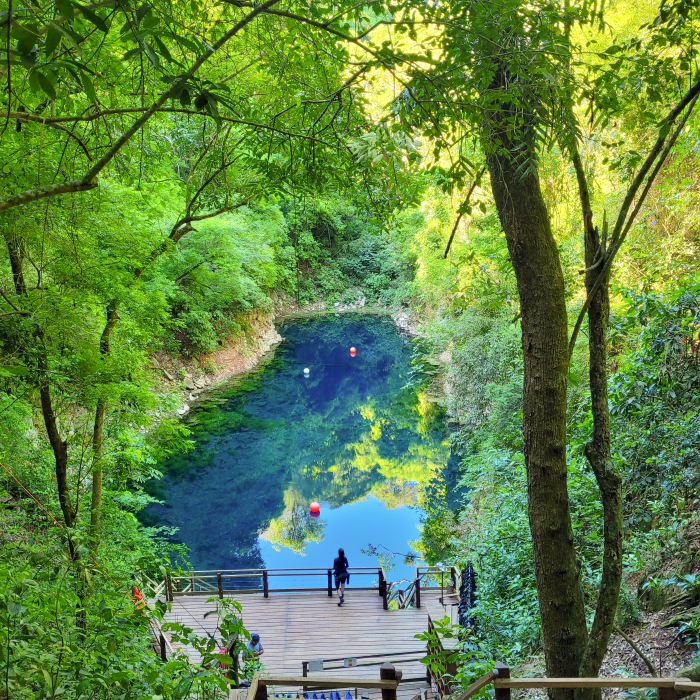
<point>357,435</point>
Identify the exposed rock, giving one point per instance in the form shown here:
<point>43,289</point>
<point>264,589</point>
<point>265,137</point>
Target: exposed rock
<point>199,383</point>
<point>189,383</point>
<point>181,411</point>
<point>337,304</point>
<point>445,357</point>
<point>167,374</point>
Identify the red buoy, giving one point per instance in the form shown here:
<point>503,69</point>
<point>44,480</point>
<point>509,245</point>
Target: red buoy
<point>352,352</point>
<point>315,514</point>
<point>315,507</point>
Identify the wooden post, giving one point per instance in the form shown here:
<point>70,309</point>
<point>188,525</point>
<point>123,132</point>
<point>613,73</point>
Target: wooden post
<point>665,693</point>
<point>383,592</point>
<point>330,584</point>
<point>163,652</point>
<point>169,593</point>
<point>233,672</point>
<point>381,580</point>
<point>417,595</point>
<point>220,585</point>
<point>387,672</point>
<point>265,588</point>
<point>261,691</point>
<point>503,674</point>
<point>304,668</point>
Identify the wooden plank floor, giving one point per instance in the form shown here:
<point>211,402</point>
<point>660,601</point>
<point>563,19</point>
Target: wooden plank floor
<point>296,627</point>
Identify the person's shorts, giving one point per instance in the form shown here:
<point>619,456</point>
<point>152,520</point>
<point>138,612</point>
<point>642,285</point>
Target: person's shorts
<point>340,579</point>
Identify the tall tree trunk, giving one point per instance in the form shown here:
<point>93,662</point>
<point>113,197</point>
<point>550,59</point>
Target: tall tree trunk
<point>58,445</point>
<point>98,433</point>
<point>535,258</point>
<point>598,448</point>
<point>15,253</point>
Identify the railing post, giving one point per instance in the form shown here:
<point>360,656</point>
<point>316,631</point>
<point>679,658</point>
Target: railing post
<point>169,591</point>
<point>265,588</point>
<point>417,592</point>
<point>233,673</point>
<point>381,580</point>
<point>503,674</point>
<point>383,592</point>
<point>330,584</point>
<point>163,652</point>
<point>387,672</point>
<point>304,668</point>
<point>220,585</point>
<point>665,693</point>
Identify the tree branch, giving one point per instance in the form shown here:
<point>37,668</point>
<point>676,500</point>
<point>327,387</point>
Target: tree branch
<point>621,229</point>
<point>477,180</point>
<point>87,182</point>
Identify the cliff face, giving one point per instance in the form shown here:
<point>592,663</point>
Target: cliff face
<point>192,377</point>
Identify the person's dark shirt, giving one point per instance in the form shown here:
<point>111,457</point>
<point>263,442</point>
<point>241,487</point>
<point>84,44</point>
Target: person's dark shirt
<point>340,566</point>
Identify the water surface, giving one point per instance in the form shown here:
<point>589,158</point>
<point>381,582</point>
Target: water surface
<point>358,435</point>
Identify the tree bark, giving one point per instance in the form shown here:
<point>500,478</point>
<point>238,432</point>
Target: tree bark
<point>597,450</point>
<point>98,432</point>
<point>15,254</point>
<point>58,445</point>
<point>535,258</point>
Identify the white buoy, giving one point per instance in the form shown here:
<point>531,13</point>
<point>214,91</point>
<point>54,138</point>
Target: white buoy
<point>306,371</point>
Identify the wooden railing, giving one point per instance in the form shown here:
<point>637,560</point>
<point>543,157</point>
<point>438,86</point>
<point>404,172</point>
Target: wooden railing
<point>417,655</point>
<point>503,684</point>
<point>262,581</point>
<point>389,679</point>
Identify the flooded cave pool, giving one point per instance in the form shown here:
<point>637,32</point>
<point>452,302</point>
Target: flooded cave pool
<point>357,434</point>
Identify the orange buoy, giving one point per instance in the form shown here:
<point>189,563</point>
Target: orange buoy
<point>315,507</point>
<point>352,352</point>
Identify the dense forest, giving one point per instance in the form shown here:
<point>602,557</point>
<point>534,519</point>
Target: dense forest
<point>520,178</point>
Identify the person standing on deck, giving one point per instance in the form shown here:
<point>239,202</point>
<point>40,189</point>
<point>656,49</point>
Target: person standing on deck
<point>340,569</point>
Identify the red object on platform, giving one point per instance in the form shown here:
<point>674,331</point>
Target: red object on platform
<point>353,351</point>
<point>315,507</point>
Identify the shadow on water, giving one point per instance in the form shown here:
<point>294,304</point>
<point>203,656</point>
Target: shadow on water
<point>357,435</point>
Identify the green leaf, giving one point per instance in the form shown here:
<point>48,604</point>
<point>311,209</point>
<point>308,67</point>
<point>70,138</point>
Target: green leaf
<point>28,60</point>
<point>163,50</point>
<point>15,608</point>
<point>90,16</point>
<point>25,39</point>
<point>53,39</point>
<point>131,53</point>
<point>182,688</point>
<point>88,87</point>
<point>152,57</point>
<point>142,12</point>
<point>13,371</point>
<point>46,86</point>
<point>34,85</point>
<point>66,8</point>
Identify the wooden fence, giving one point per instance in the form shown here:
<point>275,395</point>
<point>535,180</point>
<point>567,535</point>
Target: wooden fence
<point>267,581</point>
<point>503,684</point>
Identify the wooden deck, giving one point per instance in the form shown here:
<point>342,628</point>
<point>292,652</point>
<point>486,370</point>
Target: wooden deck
<point>296,627</point>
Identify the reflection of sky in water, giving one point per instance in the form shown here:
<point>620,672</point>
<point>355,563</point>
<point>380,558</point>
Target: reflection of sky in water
<point>351,436</point>
<point>353,527</point>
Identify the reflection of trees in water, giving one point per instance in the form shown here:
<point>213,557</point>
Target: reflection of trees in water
<point>295,528</point>
<point>276,441</point>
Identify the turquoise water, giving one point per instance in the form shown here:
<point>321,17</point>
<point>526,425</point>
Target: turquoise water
<point>356,434</point>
